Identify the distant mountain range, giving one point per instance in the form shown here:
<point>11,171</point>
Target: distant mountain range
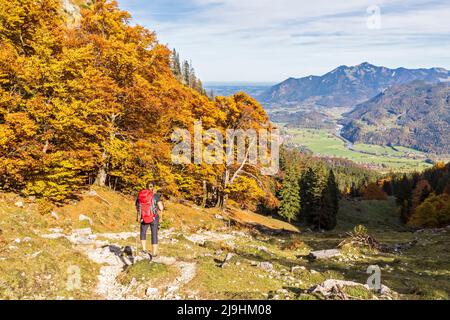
<point>347,86</point>
<point>416,115</point>
<point>229,88</point>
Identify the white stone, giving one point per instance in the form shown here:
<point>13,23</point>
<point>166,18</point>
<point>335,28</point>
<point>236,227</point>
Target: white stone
<point>19,204</point>
<point>165,260</point>
<point>82,217</point>
<point>152,292</point>
<point>92,193</point>
<point>327,286</point>
<point>324,254</point>
<point>34,255</point>
<point>118,236</point>
<point>53,236</point>
<point>267,266</point>
<point>172,289</point>
<point>297,267</point>
<point>202,237</point>
<point>83,232</point>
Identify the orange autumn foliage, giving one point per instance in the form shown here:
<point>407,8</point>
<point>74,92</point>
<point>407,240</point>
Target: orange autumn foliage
<point>97,102</point>
<point>373,192</point>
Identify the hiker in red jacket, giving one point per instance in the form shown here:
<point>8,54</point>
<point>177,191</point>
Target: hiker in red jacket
<point>149,213</point>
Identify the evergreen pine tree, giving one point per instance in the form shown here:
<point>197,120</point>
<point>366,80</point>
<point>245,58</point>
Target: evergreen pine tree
<point>307,185</point>
<point>199,87</point>
<point>290,196</point>
<point>186,74</point>
<point>192,77</point>
<point>176,65</point>
<point>333,190</point>
<point>312,185</point>
<point>354,192</point>
<point>324,216</point>
<point>403,191</point>
<point>405,211</point>
<point>387,188</point>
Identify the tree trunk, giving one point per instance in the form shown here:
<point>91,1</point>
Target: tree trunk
<point>224,202</point>
<point>101,177</point>
<point>103,171</point>
<point>205,194</point>
<point>102,174</point>
<point>219,199</point>
<point>223,196</point>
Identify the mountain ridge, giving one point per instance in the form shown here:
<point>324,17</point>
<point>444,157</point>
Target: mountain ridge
<point>413,115</point>
<point>348,85</point>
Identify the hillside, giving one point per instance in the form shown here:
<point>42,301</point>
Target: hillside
<point>39,252</point>
<point>93,109</point>
<point>347,86</point>
<point>88,97</point>
<point>415,115</point>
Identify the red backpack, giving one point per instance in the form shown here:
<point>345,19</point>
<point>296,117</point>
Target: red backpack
<point>147,206</point>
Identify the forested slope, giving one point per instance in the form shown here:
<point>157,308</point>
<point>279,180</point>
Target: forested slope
<point>95,99</point>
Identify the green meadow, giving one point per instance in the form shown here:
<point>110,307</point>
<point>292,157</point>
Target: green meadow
<point>324,143</point>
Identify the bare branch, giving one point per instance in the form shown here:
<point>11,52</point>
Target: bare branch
<point>254,177</point>
<point>236,174</point>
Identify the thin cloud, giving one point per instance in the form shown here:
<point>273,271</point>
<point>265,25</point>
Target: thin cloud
<point>251,40</point>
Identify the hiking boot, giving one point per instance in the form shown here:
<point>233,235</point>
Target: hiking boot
<point>146,254</point>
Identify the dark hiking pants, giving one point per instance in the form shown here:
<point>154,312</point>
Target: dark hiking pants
<point>154,229</point>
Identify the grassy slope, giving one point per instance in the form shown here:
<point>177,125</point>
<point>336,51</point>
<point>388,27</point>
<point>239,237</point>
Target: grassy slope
<point>28,269</point>
<point>421,272</point>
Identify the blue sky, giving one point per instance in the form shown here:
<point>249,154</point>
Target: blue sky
<point>271,40</point>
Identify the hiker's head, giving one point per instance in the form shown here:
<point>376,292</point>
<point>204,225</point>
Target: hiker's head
<point>150,186</point>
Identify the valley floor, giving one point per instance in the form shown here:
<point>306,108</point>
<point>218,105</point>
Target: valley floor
<point>328,143</point>
<point>207,254</point>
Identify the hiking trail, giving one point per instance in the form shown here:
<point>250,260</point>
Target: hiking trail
<point>115,258</point>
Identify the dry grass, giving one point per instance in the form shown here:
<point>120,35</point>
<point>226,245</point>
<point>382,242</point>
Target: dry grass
<point>251,218</point>
<point>420,272</point>
<point>190,218</point>
<point>109,211</point>
<point>27,261</point>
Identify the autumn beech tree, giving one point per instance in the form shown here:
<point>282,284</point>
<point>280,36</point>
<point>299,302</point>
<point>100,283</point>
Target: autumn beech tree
<point>424,198</point>
<point>97,102</point>
<point>45,148</point>
<point>243,116</point>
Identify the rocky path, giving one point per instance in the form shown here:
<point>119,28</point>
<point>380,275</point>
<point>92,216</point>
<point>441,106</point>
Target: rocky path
<point>188,270</point>
<point>114,259</point>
